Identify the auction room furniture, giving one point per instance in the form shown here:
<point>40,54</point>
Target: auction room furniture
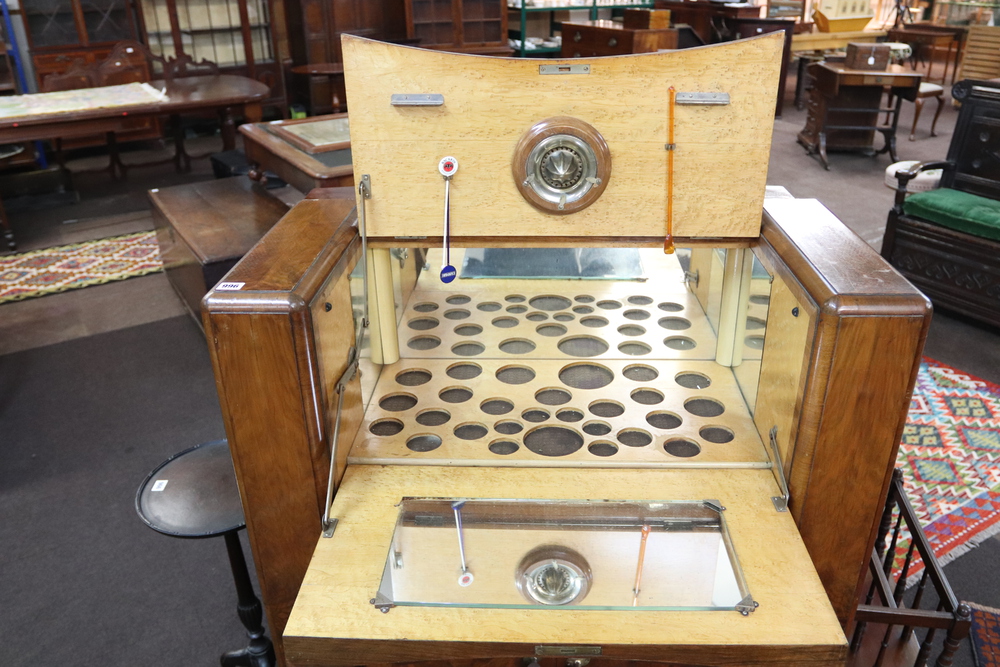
<point>237,35</point>
<point>204,228</point>
<point>707,19</point>
<point>307,153</point>
<point>981,58</point>
<point>611,38</point>
<point>809,47</point>
<point>355,363</point>
<point>927,91</point>
<point>959,35</point>
<point>741,28</point>
<point>844,108</point>
<point>524,12</point>
<point>193,494</point>
<point>947,241</point>
<point>925,44</point>
<point>111,109</point>
<point>466,26</point>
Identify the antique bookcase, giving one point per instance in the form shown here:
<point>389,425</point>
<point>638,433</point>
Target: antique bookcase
<point>467,26</point>
<point>676,458</point>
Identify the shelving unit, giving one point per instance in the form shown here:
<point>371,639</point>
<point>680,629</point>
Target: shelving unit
<point>468,26</point>
<point>592,5</point>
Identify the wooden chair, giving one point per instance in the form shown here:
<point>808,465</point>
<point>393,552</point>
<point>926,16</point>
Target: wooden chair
<point>947,241</point>
<point>178,68</point>
<point>927,91</point>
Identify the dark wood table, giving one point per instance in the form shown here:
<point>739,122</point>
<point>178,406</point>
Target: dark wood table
<point>588,39</point>
<point>927,42</point>
<point>223,93</point>
<point>844,107</point>
<point>268,150</point>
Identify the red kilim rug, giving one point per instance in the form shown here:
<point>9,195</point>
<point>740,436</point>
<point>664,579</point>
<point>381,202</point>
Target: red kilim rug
<point>40,272</point>
<point>985,635</point>
<point>950,456</point>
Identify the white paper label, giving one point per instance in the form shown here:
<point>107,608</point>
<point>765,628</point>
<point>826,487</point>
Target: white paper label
<point>229,287</point>
<point>159,485</point>
<point>871,60</point>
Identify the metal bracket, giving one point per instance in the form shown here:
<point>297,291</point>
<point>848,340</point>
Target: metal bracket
<point>691,279</point>
<point>780,502</point>
<point>702,99</point>
<point>714,505</point>
<point>365,187</point>
<point>568,650</point>
<point>564,69</point>
<point>417,100</point>
<point>382,603</point>
<point>329,528</point>
<point>746,606</point>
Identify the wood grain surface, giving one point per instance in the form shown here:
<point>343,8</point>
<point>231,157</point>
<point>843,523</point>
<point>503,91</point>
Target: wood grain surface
<point>490,103</point>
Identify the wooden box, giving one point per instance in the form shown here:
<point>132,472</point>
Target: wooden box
<point>646,19</point>
<point>203,229</point>
<point>873,57</point>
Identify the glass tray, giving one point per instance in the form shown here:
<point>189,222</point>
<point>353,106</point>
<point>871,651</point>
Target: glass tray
<point>538,554</point>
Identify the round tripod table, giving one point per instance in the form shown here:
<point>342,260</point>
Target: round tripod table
<point>194,494</point>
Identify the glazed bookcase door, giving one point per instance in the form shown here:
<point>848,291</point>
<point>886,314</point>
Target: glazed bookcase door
<point>457,25</point>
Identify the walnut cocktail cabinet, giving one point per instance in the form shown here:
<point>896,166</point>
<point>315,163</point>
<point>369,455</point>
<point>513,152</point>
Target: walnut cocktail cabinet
<point>548,436</point>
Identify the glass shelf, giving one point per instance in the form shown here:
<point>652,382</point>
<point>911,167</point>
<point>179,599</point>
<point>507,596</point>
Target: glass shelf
<point>537,554</point>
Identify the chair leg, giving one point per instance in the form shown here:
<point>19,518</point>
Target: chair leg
<point>919,104</point>
<point>940,101</point>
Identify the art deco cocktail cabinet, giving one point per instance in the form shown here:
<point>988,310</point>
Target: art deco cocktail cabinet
<point>586,393</point>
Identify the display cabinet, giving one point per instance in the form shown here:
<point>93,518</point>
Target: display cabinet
<point>467,26</point>
<point>526,8</point>
<point>237,35</point>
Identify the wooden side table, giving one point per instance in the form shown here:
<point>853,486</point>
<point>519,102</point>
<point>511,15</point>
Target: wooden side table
<point>271,150</point>
<point>926,42</point>
<point>844,108</point>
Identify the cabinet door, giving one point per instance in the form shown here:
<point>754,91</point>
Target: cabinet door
<point>483,22</point>
<point>51,23</point>
<point>433,22</point>
<point>106,21</point>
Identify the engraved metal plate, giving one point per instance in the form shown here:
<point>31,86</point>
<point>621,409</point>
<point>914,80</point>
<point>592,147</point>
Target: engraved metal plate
<point>417,100</point>
<point>564,69</point>
<point>708,99</point>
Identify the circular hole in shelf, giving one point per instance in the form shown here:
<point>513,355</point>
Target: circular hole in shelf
<point>716,434</point>
<point>681,447</point>
<point>582,310</point>
<point>680,343</point>
<point>583,298</point>
<point>634,437</point>
<point>514,298</point>
<point>516,309</point>
<point>423,342</point>
<point>596,428</point>
<point>755,323</point>
<point>754,342</point>
<point>640,373</point>
<point>471,431</point>
<point>458,299</point>
<point>586,375</point>
<point>674,323</point>
<point>457,314</point>
<point>536,316</point>
<point>704,407</point>
<point>496,406</point>
<point>551,329</point>
<point>553,396</point>
<point>508,427</point>
<point>631,330</point>
<point>517,346</point>
<point>468,349</point>
<point>504,447</point>
<point>505,322</point>
<point>455,394</point>
<point>564,317</point>
<point>515,374</point>
<point>553,440</point>
<point>760,299</point>
<point>647,396</point>
<point>549,302</point>
<point>602,448</point>
<point>609,304</point>
<point>582,346</point>
<point>397,402</point>
<point>423,323</point>
<point>569,415</point>
<point>413,377</point>
<point>636,314</point>
<point>464,371</point>
<point>663,420</point>
<point>433,417</point>
<point>691,380</point>
<point>670,306</point>
<point>594,321</point>
<point>639,300</point>
<point>468,330</point>
<point>386,427</point>
<point>535,415</point>
<point>607,409</point>
<point>425,442</point>
<point>489,306</point>
<point>426,307</point>
<point>634,348</point>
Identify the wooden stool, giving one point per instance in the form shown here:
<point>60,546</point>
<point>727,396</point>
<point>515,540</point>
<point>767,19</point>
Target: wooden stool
<point>927,90</point>
<point>203,229</point>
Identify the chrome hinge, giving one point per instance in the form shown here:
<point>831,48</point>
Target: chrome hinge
<point>382,603</point>
<point>746,606</point>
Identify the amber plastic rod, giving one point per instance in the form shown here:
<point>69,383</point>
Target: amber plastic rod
<point>638,568</point>
<point>668,242</point>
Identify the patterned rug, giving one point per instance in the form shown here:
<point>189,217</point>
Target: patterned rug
<point>950,456</point>
<point>40,272</point>
<point>985,635</point>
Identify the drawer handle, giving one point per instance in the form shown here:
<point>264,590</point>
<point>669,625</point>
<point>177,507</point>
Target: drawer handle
<point>613,42</point>
<point>577,37</point>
